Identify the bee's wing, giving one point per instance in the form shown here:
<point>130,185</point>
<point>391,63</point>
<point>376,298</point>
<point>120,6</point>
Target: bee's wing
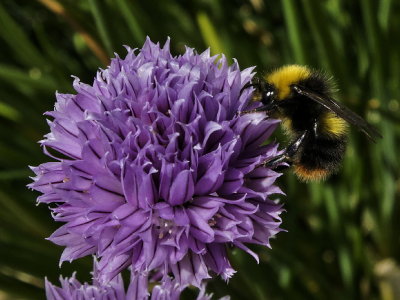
<point>341,111</point>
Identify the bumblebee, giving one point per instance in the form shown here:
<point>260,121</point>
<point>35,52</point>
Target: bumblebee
<point>315,123</point>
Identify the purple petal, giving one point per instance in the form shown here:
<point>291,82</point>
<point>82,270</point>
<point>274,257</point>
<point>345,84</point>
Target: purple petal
<point>182,188</point>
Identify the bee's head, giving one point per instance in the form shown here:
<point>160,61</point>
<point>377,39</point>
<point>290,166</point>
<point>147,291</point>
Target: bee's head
<point>268,94</point>
<point>268,97</point>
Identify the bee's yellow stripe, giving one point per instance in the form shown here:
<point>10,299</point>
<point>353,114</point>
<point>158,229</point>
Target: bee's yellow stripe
<point>334,125</point>
<point>283,77</point>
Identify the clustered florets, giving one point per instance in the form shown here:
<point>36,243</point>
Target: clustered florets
<point>155,171</point>
<point>168,289</point>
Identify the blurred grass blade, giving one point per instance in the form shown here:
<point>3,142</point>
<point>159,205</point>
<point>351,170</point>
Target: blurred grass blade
<point>17,289</point>
<point>209,34</point>
<point>332,209</point>
<point>291,13</point>
<point>327,54</point>
<point>22,78</point>
<point>388,199</point>
<point>384,14</point>
<point>101,25</point>
<point>14,174</point>
<point>374,44</point>
<point>18,41</point>
<point>8,112</point>
<point>131,20</point>
<point>21,211</point>
<point>345,266</point>
<point>58,9</point>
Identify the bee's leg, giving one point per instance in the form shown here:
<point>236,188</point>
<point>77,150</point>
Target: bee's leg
<point>276,163</point>
<point>315,128</point>
<point>287,156</point>
<point>282,167</point>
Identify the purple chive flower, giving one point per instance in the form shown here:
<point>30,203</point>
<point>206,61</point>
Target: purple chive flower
<point>72,289</point>
<point>155,170</point>
<point>168,289</point>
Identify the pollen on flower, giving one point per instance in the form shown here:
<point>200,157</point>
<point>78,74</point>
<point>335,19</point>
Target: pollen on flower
<point>212,222</point>
<point>157,171</point>
<point>164,227</point>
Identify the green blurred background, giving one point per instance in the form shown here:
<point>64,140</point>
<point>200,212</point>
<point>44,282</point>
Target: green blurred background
<point>343,234</point>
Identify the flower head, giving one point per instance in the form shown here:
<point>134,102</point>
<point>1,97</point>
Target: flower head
<point>156,170</point>
<point>72,289</point>
<point>138,289</point>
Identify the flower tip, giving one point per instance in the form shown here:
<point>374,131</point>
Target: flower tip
<point>76,78</point>
<point>227,274</point>
<point>206,53</point>
<point>167,44</point>
<point>128,49</point>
